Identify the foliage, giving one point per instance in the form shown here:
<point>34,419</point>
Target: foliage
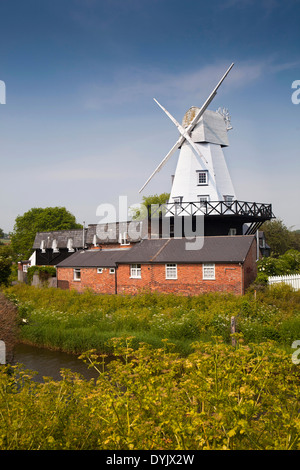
<point>280,238</point>
<point>5,263</point>
<point>1,233</point>
<point>288,263</point>
<point>8,324</point>
<point>76,322</point>
<point>217,398</point>
<point>44,272</point>
<point>141,212</point>
<point>39,220</point>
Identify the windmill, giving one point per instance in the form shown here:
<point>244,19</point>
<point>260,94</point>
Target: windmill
<point>202,184</point>
<point>201,174</point>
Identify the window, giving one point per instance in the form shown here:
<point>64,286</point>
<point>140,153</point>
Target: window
<point>111,270</point>
<point>54,247</point>
<point>208,270</point>
<point>171,271</point>
<point>77,274</point>
<point>202,177</point>
<point>123,239</point>
<point>70,244</point>
<point>232,231</point>
<point>228,198</point>
<point>177,203</point>
<point>99,270</point>
<point>203,200</point>
<point>95,240</point>
<point>42,246</point>
<point>136,271</point>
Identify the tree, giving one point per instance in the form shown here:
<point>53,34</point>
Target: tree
<point>139,213</point>
<point>1,233</point>
<point>5,263</point>
<point>39,220</point>
<point>288,263</point>
<point>277,236</point>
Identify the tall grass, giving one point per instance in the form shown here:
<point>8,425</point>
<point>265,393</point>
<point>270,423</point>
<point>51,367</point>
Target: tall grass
<point>75,322</point>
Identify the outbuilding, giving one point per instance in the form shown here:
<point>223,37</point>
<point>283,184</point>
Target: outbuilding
<point>172,265</point>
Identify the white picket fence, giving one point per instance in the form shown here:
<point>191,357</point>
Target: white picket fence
<point>292,280</point>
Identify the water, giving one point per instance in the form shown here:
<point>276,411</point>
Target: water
<point>49,363</point>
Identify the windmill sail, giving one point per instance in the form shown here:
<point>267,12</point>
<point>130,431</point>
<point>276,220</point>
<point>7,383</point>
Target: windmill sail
<point>185,133</point>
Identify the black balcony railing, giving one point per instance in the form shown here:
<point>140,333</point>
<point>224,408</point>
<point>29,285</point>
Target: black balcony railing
<point>213,208</point>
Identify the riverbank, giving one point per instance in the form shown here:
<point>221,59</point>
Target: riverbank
<point>74,323</point>
<point>217,397</point>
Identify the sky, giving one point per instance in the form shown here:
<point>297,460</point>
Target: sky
<point>79,127</point>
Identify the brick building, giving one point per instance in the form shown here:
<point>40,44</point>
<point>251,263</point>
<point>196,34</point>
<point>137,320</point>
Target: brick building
<point>223,264</point>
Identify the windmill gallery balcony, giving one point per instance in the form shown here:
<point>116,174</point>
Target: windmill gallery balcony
<point>220,217</point>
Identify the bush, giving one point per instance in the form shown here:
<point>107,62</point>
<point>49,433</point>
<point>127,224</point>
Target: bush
<point>44,272</point>
<point>217,398</point>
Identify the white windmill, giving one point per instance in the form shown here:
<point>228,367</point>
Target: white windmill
<point>201,174</point>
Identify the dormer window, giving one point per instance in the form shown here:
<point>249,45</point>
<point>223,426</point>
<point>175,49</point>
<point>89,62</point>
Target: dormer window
<point>42,246</point>
<point>202,177</point>
<point>123,239</point>
<point>95,240</point>
<point>70,244</point>
<point>54,246</point>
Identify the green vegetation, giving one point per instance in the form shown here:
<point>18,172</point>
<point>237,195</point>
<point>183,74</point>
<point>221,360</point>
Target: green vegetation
<point>44,272</point>
<point>280,238</point>
<point>174,381</point>
<point>139,213</point>
<point>6,257</point>
<point>38,220</point>
<point>76,322</point>
<point>219,397</point>
<point>288,263</point>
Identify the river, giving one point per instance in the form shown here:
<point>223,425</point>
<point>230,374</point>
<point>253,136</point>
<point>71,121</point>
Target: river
<point>48,363</point>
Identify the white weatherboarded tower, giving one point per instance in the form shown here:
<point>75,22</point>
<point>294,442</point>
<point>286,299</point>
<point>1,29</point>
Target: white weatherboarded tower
<point>201,174</point>
<point>203,178</point>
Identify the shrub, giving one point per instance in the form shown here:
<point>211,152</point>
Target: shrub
<point>217,398</point>
<point>44,272</point>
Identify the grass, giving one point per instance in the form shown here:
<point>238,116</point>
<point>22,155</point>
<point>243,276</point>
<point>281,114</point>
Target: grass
<point>203,393</point>
<point>74,322</point>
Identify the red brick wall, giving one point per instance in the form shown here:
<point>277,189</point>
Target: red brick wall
<point>250,267</point>
<point>228,278</point>
<point>233,278</point>
<point>100,283</point>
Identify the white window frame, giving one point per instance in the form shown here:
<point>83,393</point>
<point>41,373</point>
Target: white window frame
<point>70,245</point>
<point>123,239</point>
<point>112,270</point>
<point>99,270</point>
<point>54,246</point>
<point>76,272</point>
<point>232,231</point>
<point>202,173</point>
<point>203,199</point>
<point>208,271</point>
<point>135,271</point>
<point>171,270</point>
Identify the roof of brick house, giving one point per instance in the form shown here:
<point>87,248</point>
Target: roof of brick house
<point>222,249</point>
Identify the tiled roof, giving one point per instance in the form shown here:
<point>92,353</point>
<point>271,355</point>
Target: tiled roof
<point>227,249</point>
<point>61,237</point>
<point>224,249</point>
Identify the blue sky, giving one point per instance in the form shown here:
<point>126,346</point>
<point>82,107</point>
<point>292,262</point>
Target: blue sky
<point>80,127</point>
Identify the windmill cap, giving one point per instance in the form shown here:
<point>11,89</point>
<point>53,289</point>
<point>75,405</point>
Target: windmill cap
<point>189,116</point>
